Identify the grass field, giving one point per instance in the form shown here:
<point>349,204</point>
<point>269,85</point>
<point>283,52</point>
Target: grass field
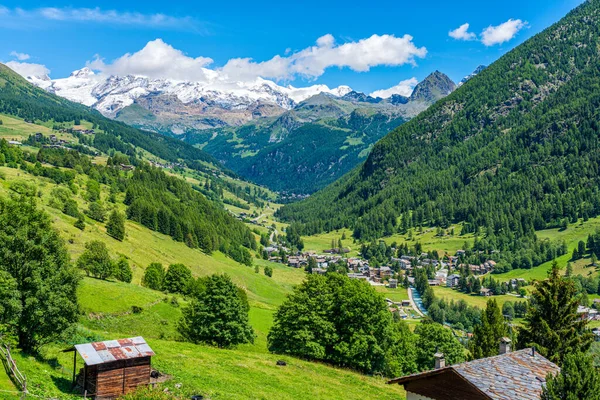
<point>472,299</point>
<point>447,244</point>
<point>321,242</point>
<point>397,294</point>
<point>572,235</point>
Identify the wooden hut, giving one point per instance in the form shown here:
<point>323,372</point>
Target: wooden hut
<point>113,367</point>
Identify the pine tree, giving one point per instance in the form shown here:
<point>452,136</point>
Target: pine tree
<point>487,335</point>
<point>578,379</point>
<point>552,323</point>
<point>569,270</point>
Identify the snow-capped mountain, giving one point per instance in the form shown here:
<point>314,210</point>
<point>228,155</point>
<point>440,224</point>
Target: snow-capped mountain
<point>472,74</point>
<point>213,99</point>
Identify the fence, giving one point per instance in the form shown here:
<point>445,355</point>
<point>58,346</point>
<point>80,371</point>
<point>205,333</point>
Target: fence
<point>11,367</point>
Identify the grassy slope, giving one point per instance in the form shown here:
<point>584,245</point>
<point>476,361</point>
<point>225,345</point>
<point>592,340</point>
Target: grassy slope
<point>247,372</point>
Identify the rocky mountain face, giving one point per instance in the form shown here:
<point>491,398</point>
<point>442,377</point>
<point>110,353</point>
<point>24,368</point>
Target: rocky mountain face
<point>433,88</point>
<point>472,74</point>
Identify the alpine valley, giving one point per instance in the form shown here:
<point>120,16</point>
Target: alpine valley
<point>258,129</point>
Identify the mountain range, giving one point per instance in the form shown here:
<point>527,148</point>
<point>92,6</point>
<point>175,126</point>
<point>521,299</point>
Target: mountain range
<point>177,105</point>
<point>313,135</point>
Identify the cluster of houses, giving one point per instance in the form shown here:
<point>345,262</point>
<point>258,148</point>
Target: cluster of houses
<point>84,131</point>
<point>169,165</point>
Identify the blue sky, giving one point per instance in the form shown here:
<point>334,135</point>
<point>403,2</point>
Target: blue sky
<point>64,36</point>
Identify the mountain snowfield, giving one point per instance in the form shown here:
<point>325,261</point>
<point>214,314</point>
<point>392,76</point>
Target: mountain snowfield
<point>109,94</point>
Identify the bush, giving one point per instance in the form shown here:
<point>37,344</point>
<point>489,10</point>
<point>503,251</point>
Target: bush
<point>268,271</point>
<point>115,226</point>
<point>96,212</point>
<point>80,223</point>
<point>177,279</point>
<point>70,208</point>
<point>154,276</point>
<point>136,309</point>
<point>123,270</point>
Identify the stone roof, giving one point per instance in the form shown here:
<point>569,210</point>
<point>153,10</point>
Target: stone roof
<point>516,375</point>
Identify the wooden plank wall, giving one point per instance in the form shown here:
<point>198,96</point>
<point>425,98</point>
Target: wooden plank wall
<point>124,376</point>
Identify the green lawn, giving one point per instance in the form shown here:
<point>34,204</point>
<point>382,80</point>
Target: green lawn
<point>572,235</point>
<point>472,299</point>
<point>428,238</point>
<point>397,294</point>
<point>321,242</point>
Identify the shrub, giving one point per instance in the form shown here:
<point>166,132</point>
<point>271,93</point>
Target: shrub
<point>154,276</point>
<point>177,279</point>
<point>123,270</point>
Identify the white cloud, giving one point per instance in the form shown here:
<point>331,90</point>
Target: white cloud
<point>462,33</point>
<point>20,56</point>
<point>312,62</point>
<point>501,33</point>
<point>28,69</point>
<point>404,88</point>
<point>160,60</point>
<point>156,60</point>
<point>18,17</point>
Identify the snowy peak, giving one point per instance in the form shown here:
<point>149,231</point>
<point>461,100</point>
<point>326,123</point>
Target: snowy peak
<point>472,74</point>
<point>82,73</point>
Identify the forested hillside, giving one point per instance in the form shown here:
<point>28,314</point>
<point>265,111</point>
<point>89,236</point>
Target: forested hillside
<point>161,202</point>
<point>512,151</point>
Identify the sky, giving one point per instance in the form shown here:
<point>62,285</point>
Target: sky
<point>369,46</point>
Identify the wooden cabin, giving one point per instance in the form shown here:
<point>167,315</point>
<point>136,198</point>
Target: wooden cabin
<point>113,367</point>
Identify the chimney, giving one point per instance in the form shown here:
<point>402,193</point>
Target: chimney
<point>505,345</point>
<point>440,361</point>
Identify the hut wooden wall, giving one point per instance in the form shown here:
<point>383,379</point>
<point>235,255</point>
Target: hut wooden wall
<point>120,377</point>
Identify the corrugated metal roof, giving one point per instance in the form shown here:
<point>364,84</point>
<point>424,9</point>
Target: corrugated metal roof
<point>113,350</point>
<point>519,374</point>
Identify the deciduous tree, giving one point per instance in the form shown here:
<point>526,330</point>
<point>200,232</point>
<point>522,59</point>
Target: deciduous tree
<point>39,294</point>
<point>217,315</point>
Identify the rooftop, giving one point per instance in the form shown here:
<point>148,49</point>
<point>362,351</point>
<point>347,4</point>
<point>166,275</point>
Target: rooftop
<point>519,374</point>
<point>113,350</point>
